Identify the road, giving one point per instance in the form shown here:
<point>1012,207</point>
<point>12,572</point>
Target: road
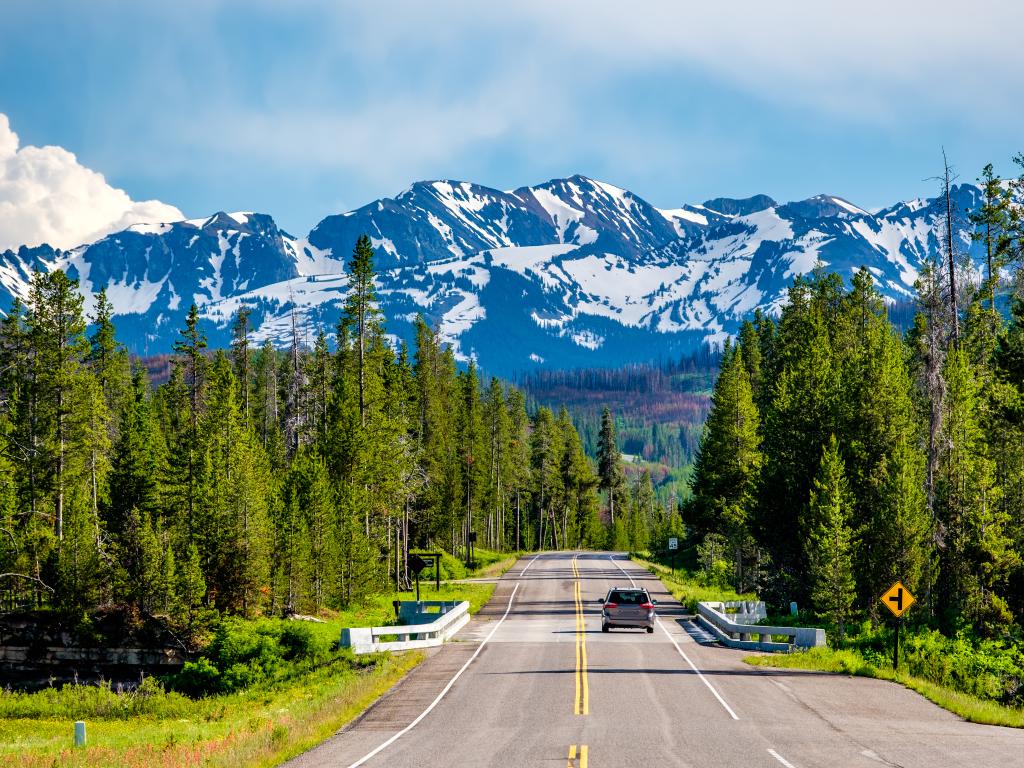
<point>534,682</point>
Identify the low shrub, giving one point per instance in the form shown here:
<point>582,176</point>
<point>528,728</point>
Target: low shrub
<point>245,653</point>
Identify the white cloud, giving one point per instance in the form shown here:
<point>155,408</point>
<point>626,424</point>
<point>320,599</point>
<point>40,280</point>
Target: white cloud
<point>47,196</point>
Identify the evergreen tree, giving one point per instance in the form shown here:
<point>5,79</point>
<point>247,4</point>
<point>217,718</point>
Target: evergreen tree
<point>191,588</point>
<point>192,366</point>
<point>241,354</point>
<point>362,318</point>
<point>545,451</point>
<point>830,540</point>
<point>728,461</point>
<point>56,327</point>
<point>499,471</point>
<point>609,465</point>
<point>109,359</point>
<point>975,555</point>
<point>519,458</point>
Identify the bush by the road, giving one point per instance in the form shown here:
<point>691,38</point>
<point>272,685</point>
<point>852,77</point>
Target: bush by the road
<point>245,653</point>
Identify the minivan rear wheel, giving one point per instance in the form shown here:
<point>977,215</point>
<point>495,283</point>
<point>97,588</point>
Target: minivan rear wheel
<point>604,627</point>
<point>650,630</point>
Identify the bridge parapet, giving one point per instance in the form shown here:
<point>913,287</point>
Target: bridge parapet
<point>427,623</point>
<point>735,625</point>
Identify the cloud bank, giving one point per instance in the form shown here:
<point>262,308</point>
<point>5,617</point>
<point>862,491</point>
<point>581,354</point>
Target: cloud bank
<point>47,196</point>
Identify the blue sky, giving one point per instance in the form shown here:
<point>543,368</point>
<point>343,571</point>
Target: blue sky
<point>306,108</point>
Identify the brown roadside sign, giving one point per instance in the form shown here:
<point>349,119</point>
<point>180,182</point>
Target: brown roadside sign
<point>898,599</point>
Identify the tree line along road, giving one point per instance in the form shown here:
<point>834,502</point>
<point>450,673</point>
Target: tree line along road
<point>532,681</point>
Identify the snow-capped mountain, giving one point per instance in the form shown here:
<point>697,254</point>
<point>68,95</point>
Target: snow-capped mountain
<point>573,272</point>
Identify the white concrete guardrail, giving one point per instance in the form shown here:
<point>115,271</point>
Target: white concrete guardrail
<point>451,617</point>
<point>734,623</point>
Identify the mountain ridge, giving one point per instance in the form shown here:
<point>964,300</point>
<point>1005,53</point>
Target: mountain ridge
<point>571,272</point>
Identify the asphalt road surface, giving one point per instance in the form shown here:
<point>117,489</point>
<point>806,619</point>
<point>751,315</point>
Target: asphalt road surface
<point>532,681</point>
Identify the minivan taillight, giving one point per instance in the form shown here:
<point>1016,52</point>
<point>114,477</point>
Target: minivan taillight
<point>611,605</point>
<point>647,606</point>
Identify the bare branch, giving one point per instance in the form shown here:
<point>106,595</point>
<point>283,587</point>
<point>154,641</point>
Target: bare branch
<point>40,582</point>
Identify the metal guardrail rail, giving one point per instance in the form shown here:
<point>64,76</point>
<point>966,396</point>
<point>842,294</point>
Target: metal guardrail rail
<point>451,618</point>
<point>737,630</point>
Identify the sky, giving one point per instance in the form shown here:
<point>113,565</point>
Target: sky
<point>119,112</point>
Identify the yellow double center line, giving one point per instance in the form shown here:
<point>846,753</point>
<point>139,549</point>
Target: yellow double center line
<point>581,704</point>
<point>582,753</point>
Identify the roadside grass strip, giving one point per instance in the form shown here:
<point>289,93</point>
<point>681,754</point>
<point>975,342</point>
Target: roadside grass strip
<point>253,728</point>
<point>847,662</point>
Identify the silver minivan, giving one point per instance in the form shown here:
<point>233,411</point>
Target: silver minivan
<point>627,607</point>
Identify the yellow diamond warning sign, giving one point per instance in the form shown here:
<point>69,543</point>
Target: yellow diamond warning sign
<point>898,599</point>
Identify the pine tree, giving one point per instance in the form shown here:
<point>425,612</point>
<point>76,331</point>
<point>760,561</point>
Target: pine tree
<point>241,354</point>
<point>904,533</point>
<point>109,359</point>
<point>519,458</point>
<point>976,553</point>
<point>609,465</point>
<point>57,330</point>
<point>232,531</point>
<point>729,459</point>
<point>133,478</point>
<point>362,318</point>
<point>191,588</point>
<point>545,452</point>
<point>830,540</point>
<point>498,467</point>
<point>471,448</point>
<point>192,365</point>
<point>801,415</point>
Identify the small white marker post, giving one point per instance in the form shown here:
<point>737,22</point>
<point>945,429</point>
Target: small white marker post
<point>79,733</point>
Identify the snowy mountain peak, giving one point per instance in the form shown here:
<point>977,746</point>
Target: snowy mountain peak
<point>571,272</point>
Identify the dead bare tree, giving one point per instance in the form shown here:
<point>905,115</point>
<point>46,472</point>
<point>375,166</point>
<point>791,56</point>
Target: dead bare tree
<point>947,178</point>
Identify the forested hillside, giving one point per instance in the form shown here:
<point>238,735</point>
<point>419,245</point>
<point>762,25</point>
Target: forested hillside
<point>255,481</point>
<point>659,412</point>
<point>841,455</point>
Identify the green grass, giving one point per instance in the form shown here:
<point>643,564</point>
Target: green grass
<point>262,725</point>
<point>256,727</point>
<point>849,662</point>
<point>688,588</point>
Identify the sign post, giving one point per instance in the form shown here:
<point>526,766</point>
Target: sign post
<point>673,547</point>
<point>426,560</point>
<point>417,564</point>
<point>898,600</point>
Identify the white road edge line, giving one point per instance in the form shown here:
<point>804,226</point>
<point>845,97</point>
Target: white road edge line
<point>532,561</point>
<point>780,758</point>
<point>447,688</point>
<point>672,640</point>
